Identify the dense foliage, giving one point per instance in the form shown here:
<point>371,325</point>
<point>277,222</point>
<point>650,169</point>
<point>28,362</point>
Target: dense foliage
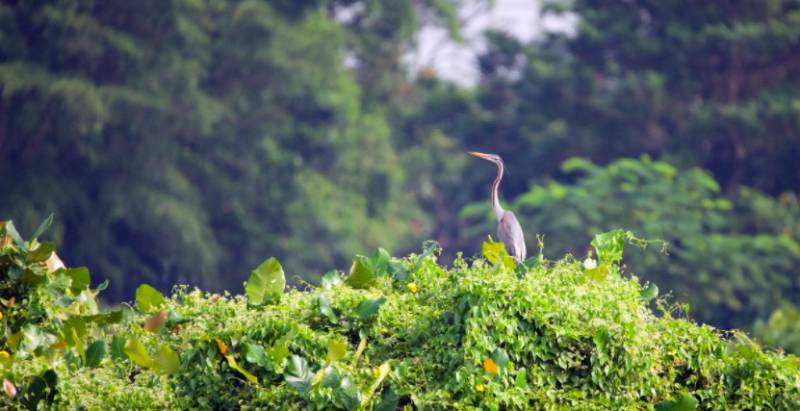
<point>483,334</point>
<point>180,141</point>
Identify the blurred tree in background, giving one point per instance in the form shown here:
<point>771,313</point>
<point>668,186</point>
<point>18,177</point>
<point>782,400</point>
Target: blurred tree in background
<point>186,140</point>
<point>182,141</point>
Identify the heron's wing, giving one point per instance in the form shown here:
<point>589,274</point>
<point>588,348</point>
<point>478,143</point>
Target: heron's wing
<point>510,233</point>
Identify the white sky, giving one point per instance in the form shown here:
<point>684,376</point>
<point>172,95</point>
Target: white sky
<point>458,62</point>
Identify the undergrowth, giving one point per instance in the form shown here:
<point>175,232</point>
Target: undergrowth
<point>393,333</point>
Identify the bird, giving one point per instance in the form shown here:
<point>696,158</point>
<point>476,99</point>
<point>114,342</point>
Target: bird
<point>508,229</point>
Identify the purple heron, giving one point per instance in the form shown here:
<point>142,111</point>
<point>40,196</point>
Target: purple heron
<point>508,229</point>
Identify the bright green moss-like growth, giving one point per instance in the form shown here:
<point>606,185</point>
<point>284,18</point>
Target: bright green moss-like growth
<point>568,334</point>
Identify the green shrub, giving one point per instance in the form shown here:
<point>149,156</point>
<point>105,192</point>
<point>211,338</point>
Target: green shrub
<point>482,334</point>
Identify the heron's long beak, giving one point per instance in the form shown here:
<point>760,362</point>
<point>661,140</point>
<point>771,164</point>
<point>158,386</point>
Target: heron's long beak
<point>479,154</point>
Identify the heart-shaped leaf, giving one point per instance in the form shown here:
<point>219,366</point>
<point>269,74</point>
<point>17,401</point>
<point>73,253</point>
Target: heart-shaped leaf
<point>166,361</point>
<point>298,375</point>
<point>254,354</point>
<point>337,349</point>
<point>137,353</point>
<point>148,299</point>
<point>266,283</point>
<point>80,278</point>
<point>360,274</point>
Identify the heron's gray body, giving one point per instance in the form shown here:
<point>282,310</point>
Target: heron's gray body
<point>510,233</point>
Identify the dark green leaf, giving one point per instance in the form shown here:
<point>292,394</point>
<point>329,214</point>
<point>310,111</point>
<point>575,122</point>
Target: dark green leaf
<point>266,283</point>
<point>330,377</point>
<point>500,357</point>
<point>298,375</point>
<point>324,306</point>
<point>80,278</point>
<point>51,379</point>
<point>379,262</point>
<point>254,354</point>
<point>348,394</point>
<point>95,353</point>
<point>360,274</point>
<point>398,271</point>
<point>369,307</point>
<point>148,299</point>
<point>118,347</point>
<point>41,253</point>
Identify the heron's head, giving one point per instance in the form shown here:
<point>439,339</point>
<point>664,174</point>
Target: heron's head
<point>494,158</point>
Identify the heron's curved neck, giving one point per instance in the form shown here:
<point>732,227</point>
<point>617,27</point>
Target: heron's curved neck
<point>498,209</point>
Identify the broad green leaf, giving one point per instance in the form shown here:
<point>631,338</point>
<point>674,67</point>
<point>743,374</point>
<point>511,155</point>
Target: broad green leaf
<point>42,227</point>
<point>337,348</point>
<point>497,254</point>
<point>369,307</point>
<point>137,353</point>
<point>649,292</point>
<point>80,278</point>
<point>95,353</point>
<point>360,274</point>
<point>330,377</point>
<point>609,246</point>
<point>500,357</point>
<point>280,350</point>
<point>686,402</point>
<point>398,271</point>
<point>232,363</point>
<point>348,395</point>
<point>324,306</point>
<point>331,279</point>
<point>148,299</point>
<point>379,262</point>
<point>41,253</point>
<point>254,354</point>
<point>266,283</point>
<point>166,361</point>
<point>297,374</point>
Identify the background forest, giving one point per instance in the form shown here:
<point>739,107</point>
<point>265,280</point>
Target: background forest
<point>185,141</point>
